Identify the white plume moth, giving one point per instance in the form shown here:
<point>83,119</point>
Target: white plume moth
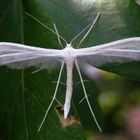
<point>20,56</point>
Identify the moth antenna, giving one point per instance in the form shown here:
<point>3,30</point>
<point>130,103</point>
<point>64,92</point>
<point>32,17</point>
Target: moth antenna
<point>86,96</point>
<point>58,36</point>
<point>89,25</point>
<point>92,25</point>
<point>48,28</point>
<point>54,96</point>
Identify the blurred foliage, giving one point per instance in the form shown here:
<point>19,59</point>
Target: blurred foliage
<point>24,96</point>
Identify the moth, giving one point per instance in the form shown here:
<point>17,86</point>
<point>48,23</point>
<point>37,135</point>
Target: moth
<point>19,56</point>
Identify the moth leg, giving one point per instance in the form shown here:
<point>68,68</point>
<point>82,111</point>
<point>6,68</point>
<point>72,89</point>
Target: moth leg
<point>63,84</point>
<point>38,70</point>
<point>83,99</point>
<point>86,96</point>
<point>58,101</point>
<point>54,96</point>
<point>79,82</point>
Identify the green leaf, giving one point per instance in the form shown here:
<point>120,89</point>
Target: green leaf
<point>24,97</point>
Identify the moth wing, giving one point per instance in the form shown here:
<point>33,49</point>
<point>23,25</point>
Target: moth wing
<point>121,57</point>
<point>118,51</point>
<point>91,71</point>
<point>19,56</point>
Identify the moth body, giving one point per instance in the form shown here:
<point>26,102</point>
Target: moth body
<point>69,59</point>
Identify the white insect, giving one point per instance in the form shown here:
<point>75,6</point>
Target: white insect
<point>20,56</point>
